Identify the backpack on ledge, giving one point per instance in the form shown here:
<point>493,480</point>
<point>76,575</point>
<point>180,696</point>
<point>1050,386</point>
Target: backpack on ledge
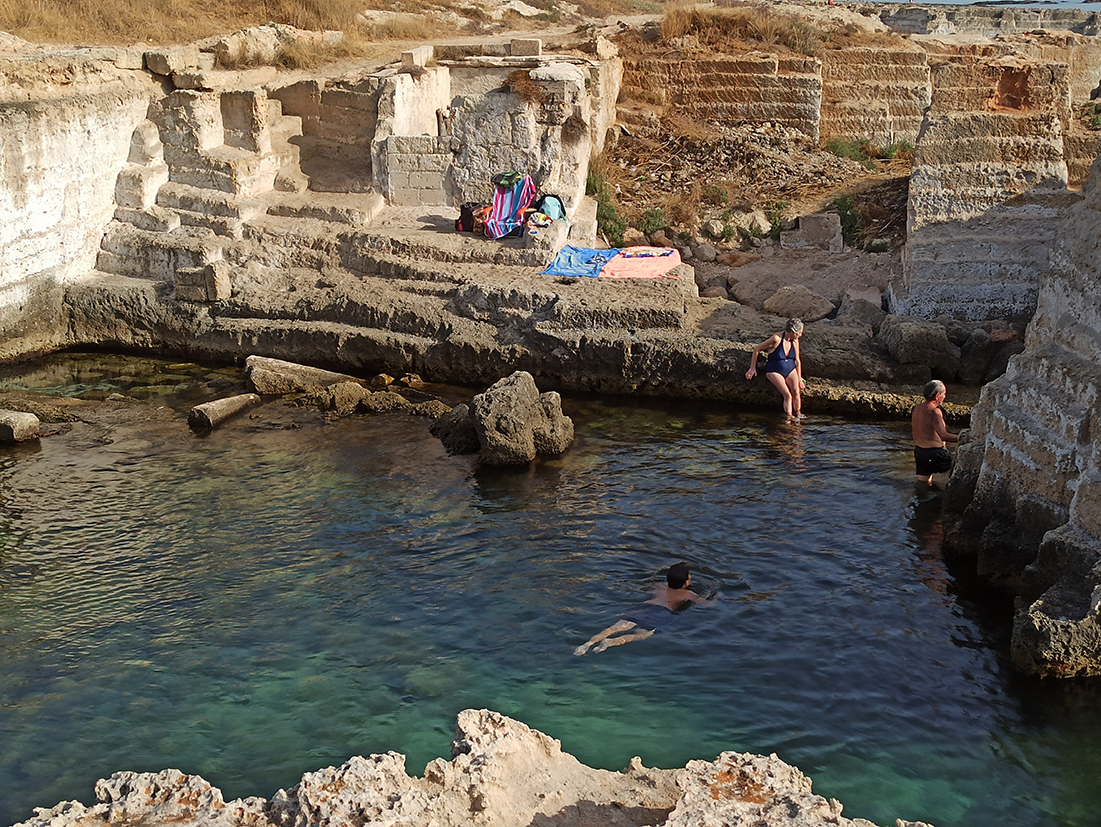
<point>472,216</point>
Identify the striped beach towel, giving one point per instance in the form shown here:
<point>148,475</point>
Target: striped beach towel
<point>509,203</point>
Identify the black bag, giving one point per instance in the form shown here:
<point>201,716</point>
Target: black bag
<point>465,222</point>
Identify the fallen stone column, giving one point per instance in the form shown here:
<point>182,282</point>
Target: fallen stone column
<point>212,414</point>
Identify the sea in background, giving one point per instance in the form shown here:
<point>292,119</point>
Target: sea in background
<point>288,591</point>
<point>1088,5</point>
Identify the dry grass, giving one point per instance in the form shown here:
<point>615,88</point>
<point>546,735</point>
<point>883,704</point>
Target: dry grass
<point>520,84</point>
<point>185,21</point>
<point>717,28</point>
<point>679,125</point>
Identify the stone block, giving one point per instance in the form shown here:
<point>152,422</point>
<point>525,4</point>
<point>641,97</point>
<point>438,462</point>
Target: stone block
<point>416,58</point>
<point>129,59</point>
<point>526,47</point>
<point>145,145</point>
<point>193,79</point>
<point>820,231</point>
<point>275,376</point>
<point>154,219</point>
<point>170,60</point>
<point>18,426</point>
<point>136,186</point>
<point>203,284</point>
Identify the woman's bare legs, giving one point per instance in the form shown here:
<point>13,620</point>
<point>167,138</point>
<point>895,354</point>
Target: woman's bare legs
<point>781,384</point>
<point>794,387</point>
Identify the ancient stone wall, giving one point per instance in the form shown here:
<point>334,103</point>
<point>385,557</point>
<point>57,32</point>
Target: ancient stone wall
<point>750,87</point>
<point>416,171</point>
<point>989,185</point>
<point>59,161</point>
<point>1026,494</point>
<point>547,133</point>
<point>875,93</point>
<point>986,21</point>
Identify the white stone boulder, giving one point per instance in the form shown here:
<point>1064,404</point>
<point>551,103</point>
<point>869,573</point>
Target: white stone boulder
<point>17,426</point>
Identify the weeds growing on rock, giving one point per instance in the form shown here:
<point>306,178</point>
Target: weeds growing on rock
<point>1090,115</point>
<point>867,152</point>
<point>759,24</point>
<point>852,228</point>
<point>598,185</point>
<point>520,84</point>
<point>652,220</point>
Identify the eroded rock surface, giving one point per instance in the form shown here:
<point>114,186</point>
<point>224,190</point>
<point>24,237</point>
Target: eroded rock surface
<point>501,774</point>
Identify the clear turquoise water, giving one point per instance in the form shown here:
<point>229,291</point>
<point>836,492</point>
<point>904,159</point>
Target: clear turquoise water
<point>269,600</point>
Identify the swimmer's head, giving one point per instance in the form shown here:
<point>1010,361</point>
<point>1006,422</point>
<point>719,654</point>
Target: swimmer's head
<point>794,327</point>
<point>933,389</point>
<point>677,576</point>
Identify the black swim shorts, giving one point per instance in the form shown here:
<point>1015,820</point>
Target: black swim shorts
<point>932,460</point>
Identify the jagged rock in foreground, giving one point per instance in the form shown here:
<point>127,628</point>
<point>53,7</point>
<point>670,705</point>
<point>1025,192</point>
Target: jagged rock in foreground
<point>511,423</point>
<point>501,774</point>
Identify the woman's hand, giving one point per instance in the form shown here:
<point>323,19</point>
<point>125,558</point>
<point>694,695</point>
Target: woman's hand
<point>749,374</point>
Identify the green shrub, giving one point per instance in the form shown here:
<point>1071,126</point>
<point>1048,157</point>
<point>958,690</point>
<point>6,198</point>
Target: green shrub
<point>852,228</point>
<point>775,214</point>
<point>714,195</point>
<point>1091,115</point>
<point>608,222</point>
<point>652,220</point>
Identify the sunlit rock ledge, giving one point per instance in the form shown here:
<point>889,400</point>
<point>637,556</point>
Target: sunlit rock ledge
<point>501,772</point>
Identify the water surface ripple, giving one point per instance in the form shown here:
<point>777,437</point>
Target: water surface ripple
<point>262,602</point>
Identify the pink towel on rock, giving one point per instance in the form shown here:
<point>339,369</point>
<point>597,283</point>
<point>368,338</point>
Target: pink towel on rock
<point>642,263</point>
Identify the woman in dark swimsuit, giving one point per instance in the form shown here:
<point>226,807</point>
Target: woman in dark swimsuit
<point>784,368</point>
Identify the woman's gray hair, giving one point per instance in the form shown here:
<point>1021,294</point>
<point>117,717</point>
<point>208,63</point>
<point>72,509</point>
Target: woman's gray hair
<point>794,326</point>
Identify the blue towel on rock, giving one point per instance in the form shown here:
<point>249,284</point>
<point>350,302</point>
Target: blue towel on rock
<point>580,262</point>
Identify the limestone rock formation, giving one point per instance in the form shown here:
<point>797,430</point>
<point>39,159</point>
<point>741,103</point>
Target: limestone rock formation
<point>914,341</point>
<point>501,774</point>
<point>18,426</point>
<point>515,423</point>
<point>1025,497</point>
<point>511,423</point>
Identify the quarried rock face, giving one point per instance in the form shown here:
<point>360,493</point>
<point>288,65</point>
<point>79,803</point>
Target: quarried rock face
<point>986,194</point>
<point>1025,496</point>
<point>501,774</point>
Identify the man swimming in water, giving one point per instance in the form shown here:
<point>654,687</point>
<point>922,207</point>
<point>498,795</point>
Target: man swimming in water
<point>647,618</point>
<point>930,433</point>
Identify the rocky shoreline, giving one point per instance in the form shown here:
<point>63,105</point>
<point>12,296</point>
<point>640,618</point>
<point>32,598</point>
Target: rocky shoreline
<point>501,774</point>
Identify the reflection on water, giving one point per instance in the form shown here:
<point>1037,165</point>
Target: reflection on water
<point>285,592</point>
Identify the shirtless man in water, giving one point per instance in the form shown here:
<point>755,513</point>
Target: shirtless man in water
<point>930,433</point>
<point>650,616</point>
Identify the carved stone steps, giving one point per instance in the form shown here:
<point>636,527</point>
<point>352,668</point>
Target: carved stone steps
<point>127,250</point>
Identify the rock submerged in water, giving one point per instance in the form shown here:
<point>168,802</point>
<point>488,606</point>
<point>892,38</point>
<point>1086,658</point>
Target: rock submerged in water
<point>511,423</point>
<point>502,773</point>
